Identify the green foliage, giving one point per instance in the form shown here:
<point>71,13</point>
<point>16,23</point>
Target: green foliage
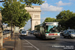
<point>27,2</point>
<point>48,19</point>
<point>15,12</point>
<point>1,8</point>
<point>29,29</point>
<point>71,22</point>
<point>37,27</point>
<point>65,15</point>
<point>30,2</point>
<point>64,18</point>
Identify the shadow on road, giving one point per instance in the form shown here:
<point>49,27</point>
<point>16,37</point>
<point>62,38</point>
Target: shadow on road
<point>51,42</point>
<point>32,37</point>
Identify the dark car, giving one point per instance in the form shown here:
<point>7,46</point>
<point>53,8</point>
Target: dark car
<point>69,33</point>
<point>7,31</point>
<point>62,32</point>
<point>31,32</point>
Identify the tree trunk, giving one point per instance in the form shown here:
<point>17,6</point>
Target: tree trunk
<point>1,32</point>
<point>11,29</point>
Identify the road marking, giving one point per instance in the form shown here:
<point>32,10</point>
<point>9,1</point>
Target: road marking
<point>25,43</point>
<point>8,47</point>
<point>31,44</point>
<point>28,46</point>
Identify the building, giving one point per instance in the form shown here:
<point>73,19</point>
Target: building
<point>34,11</point>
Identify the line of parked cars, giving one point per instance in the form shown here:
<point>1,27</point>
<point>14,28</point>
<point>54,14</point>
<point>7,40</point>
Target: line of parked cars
<point>7,31</point>
<point>69,33</point>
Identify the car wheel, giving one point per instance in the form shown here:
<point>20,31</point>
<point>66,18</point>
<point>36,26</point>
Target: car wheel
<point>54,39</point>
<point>69,36</point>
<point>36,36</point>
<point>64,36</point>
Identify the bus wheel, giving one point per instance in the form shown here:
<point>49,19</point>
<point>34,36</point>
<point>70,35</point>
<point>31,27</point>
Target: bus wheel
<point>64,36</point>
<point>43,37</point>
<point>36,36</point>
<point>54,39</point>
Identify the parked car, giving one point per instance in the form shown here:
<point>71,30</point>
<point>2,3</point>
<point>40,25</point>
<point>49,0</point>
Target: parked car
<point>20,30</point>
<point>7,31</point>
<point>24,33</point>
<point>31,32</point>
<point>62,33</point>
<point>69,33</point>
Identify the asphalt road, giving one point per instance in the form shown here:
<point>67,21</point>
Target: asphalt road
<point>30,42</point>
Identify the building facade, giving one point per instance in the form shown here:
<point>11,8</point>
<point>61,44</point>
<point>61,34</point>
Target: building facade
<point>34,11</point>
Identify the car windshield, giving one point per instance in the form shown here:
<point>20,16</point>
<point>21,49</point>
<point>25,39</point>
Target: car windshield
<point>51,29</point>
<point>23,31</point>
<point>69,32</point>
<point>72,31</point>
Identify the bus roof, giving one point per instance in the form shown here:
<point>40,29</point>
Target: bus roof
<point>47,23</point>
<point>51,22</point>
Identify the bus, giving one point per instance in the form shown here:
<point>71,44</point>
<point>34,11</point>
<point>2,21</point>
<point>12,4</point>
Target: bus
<point>47,30</point>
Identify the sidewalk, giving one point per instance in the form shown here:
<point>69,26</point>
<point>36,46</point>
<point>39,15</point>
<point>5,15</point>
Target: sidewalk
<point>8,43</point>
<point>12,44</point>
<point>18,45</point>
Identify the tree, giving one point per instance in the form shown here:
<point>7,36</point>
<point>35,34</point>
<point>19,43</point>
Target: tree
<point>63,17</point>
<point>1,8</point>
<point>16,9</point>
<point>71,22</point>
<point>48,19</point>
<point>15,13</point>
<point>29,29</point>
<point>27,2</point>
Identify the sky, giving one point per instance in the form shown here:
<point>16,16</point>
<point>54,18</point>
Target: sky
<point>51,8</point>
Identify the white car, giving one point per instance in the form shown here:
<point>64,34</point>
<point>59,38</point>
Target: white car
<point>24,33</point>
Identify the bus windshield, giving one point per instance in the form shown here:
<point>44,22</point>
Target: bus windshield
<point>51,29</point>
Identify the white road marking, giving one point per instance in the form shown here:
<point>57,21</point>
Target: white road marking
<point>25,43</point>
<point>28,46</point>
<point>31,44</point>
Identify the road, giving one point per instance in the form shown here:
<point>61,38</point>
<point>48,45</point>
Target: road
<point>31,43</point>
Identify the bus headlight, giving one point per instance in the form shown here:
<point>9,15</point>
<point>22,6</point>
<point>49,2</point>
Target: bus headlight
<point>47,35</point>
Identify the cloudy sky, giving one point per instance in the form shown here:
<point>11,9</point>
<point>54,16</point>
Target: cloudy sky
<point>51,8</point>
